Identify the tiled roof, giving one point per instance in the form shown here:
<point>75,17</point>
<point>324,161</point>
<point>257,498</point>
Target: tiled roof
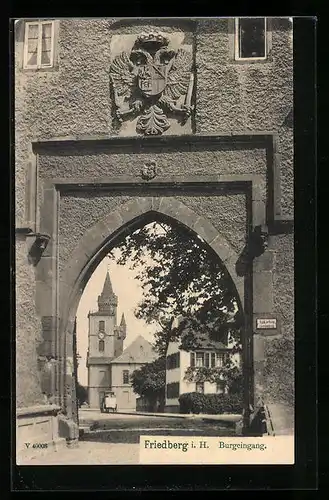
<point>204,342</point>
<point>139,351</point>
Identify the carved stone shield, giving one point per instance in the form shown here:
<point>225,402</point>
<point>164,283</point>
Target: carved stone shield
<point>149,170</point>
<point>152,79</point>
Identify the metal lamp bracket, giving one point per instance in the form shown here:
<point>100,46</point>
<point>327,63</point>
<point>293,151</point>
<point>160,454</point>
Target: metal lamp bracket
<point>37,243</point>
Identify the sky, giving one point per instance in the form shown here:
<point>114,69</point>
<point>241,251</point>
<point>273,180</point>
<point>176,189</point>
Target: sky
<point>129,293</point>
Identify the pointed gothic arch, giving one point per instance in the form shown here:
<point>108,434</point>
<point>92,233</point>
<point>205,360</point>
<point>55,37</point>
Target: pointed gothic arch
<point>97,241</point>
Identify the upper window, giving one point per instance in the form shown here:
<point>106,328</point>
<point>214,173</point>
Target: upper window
<point>199,358</point>
<point>101,326</point>
<point>207,359</point>
<point>173,361</point>
<point>125,376</point>
<point>39,45</point>
<point>250,38</point>
<point>219,359</point>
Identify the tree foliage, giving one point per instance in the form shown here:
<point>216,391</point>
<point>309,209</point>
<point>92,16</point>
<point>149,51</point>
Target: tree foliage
<point>230,374</point>
<point>81,393</point>
<point>181,278</point>
<point>150,380</point>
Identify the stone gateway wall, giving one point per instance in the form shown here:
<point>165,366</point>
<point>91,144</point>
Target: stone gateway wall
<point>81,178</point>
<point>95,206</point>
<point>74,100</point>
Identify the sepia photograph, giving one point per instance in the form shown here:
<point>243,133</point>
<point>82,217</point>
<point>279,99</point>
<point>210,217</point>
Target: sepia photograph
<point>154,223</point>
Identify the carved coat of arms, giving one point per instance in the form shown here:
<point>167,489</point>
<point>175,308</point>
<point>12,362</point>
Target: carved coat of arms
<point>150,81</point>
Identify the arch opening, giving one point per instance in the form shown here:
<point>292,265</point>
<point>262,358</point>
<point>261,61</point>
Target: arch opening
<point>125,231</point>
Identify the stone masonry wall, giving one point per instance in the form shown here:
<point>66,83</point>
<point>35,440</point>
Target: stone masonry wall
<point>80,211</point>
<point>279,353</point>
<point>73,100</point>
<point>28,333</point>
<point>190,160</point>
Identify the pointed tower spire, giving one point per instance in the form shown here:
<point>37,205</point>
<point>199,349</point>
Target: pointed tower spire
<point>107,299</point>
<point>107,287</point>
<point>123,320</point>
<point>123,327</point>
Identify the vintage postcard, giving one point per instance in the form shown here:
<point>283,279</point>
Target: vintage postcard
<point>154,173</point>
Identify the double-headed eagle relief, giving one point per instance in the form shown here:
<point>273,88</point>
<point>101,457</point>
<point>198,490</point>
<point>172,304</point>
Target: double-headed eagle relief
<point>152,82</point>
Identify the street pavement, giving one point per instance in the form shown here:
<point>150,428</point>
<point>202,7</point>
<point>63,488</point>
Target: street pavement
<point>113,439</point>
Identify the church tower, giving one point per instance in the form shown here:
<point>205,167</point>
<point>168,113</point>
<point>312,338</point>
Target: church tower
<point>121,332</point>
<point>105,342</point>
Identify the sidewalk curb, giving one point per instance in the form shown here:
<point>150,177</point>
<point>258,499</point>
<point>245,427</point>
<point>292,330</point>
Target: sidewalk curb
<point>210,418</point>
<point>150,414</point>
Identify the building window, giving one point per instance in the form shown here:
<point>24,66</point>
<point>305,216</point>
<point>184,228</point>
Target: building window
<point>199,358</point>
<point>220,387</point>
<point>219,360</point>
<point>172,390</point>
<point>173,361</point>
<point>103,378</point>
<point>199,387</point>
<point>101,345</point>
<point>207,359</point>
<point>39,45</point>
<point>250,38</point>
<point>101,326</point>
<point>125,376</point>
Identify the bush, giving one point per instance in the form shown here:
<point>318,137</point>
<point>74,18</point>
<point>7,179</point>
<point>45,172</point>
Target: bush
<point>214,404</point>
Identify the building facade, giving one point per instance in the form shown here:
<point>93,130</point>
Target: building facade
<point>118,121</point>
<point>212,355</point>
<point>137,354</point>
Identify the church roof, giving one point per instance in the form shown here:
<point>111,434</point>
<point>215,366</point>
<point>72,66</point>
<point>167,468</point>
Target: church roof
<point>139,351</point>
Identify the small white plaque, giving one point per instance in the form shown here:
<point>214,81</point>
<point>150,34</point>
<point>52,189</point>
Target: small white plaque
<point>266,324</point>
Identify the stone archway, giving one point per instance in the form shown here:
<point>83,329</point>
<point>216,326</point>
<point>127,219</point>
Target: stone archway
<point>91,249</point>
<point>82,217</point>
<point>97,239</point>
